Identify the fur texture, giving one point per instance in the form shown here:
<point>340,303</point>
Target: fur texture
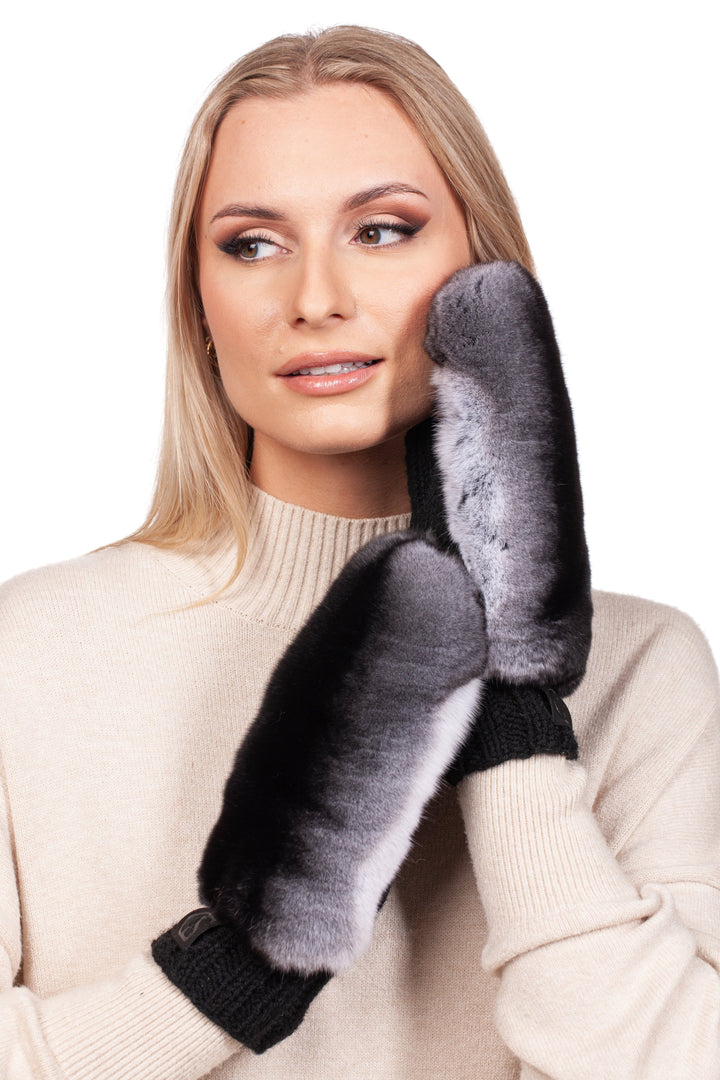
<point>363,715</point>
<point>506,450</point>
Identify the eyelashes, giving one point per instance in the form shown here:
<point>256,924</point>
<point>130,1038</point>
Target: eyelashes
<point>375,229</point>
<point>248,248</point>
<point>256,247</point>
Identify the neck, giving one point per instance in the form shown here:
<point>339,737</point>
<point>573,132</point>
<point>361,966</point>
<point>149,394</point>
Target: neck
<point>363,484</point>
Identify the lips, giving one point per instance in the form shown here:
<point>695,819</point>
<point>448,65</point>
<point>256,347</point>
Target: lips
<point>326,363</point>
<point>327,374</point>
<point>332,369</point>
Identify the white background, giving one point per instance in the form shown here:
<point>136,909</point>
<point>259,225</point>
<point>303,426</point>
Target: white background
<point>605,120</point>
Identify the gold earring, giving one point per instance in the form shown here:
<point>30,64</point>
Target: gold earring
<point>211,354</point>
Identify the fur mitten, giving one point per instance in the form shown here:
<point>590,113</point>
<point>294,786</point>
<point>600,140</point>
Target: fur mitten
<point>505,446</point>
<point>495,477</point>
<point>360,720</point>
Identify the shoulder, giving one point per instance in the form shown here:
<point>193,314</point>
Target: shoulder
<point>98,568</point>
<point>649,696</point>
<point>635,615</point>
<point>72,631</point>
<point>89,590</point>
<point>639,640</point>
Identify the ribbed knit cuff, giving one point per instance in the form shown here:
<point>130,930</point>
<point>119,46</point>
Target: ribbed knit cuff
<point>232,984</point>
<point>514,722</point>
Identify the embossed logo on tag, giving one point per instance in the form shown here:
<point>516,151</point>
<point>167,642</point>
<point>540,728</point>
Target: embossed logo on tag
<point>192,926</point>
<point>559,711</point>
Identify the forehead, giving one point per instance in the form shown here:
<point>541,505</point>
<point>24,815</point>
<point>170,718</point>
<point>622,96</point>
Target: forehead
<point>332,139</point>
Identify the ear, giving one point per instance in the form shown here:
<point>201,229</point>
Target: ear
<point>505,446</point>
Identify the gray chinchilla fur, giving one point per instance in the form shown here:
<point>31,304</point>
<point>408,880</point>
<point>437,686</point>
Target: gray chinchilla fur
<point>361,718</point>
<point>505,446</point>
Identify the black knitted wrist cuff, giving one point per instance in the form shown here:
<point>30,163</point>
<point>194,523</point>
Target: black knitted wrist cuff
<point>514,722</point>
<point>232,984</point>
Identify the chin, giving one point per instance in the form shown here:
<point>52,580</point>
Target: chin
<point>350,436</point>
<point>342,444</point>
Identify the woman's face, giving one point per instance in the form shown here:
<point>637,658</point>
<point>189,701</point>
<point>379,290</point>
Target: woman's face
<point>324,230</point>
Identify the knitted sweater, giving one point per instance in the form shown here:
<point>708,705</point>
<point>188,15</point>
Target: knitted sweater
<point>553,919</point>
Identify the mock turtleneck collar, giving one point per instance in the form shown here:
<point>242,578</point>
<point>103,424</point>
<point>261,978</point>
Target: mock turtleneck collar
<point>293,556</point>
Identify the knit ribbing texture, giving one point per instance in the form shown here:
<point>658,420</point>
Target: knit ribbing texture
<point>515,722</point>
<point>235,987</point>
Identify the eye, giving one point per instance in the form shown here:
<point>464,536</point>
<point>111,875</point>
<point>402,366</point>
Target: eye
<point>254,248</point>
<point>383,233</point>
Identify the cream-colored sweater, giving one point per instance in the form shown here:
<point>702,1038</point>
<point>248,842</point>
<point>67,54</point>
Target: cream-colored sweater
<point>554,919</point>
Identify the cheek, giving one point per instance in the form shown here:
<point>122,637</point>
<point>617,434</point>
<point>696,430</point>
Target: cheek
<point>239,329</point>
<point>411,394</point>
<point>243,326</point>
<point>409,325</point>
<point>236,319</point>
<point>439,262</point>
<point>410,313</point>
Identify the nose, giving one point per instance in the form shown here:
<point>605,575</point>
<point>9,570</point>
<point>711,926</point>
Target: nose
<point>322,290</point>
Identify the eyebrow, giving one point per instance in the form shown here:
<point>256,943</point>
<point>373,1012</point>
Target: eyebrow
<point>236,210</point>
<point>362,198</point>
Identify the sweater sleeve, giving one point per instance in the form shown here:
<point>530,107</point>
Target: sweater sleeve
<point>604,919</point>
<point>135,1026</point>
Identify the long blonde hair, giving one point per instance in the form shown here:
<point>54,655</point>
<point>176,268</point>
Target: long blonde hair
<point>201,489</point>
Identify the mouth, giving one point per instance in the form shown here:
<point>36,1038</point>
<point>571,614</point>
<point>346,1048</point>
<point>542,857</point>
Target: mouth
<point>334,369</point>
<point>320,374</point>
<point>330,363</point>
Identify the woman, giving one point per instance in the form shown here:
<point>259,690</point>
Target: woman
<point>320,205</point>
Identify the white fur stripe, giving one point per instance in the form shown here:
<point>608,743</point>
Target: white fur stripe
<point>450,725</point>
